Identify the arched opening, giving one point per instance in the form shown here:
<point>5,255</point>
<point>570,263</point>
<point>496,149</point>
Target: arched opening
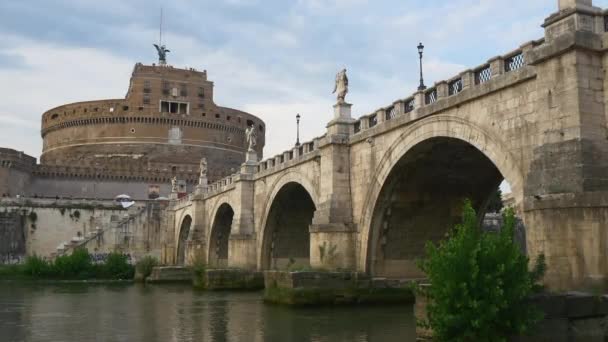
<point>184,232</point>
<point>220,233</point>
<point>422,198</point>
<point>286,234</point>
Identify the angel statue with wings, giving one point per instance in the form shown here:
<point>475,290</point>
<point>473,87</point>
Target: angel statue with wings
<point>162,54</point>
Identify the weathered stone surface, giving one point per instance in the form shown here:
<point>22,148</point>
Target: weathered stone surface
<point>167,274</point>
<point>323,288</point>
<point>231,279</point>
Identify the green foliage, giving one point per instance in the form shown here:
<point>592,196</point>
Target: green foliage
<point>495,203</point>
<point>78,265</point>
<point>199,270</point>
<point>145,265</point>
<point>116,266</point>
<point>479,283</point>
<point>36,266</point>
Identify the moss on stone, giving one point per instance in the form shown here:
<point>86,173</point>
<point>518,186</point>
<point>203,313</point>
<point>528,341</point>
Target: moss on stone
<point>318,296</point>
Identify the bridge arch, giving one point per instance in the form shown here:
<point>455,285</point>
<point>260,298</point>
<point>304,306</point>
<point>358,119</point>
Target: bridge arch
<point>284,226</point>
<point>219,235</point>
<point>417,189</point>
<point>184,233</point>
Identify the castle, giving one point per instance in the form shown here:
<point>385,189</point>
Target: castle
<point>165,124</point>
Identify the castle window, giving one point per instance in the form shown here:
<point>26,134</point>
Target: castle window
<point>54,116</point>
<point>201,105</point>
<point>183,90</point>
<point>173,107</point>
<point>147,99</point>
<point>217,116</point>
<point>125,108</point>
<point>201,92</point>
<point>228,118</point>
<point>204,114</point>
<point>249,123</point>
<point>147,88</point>
<point>85,110</point>
<point>166,88</point>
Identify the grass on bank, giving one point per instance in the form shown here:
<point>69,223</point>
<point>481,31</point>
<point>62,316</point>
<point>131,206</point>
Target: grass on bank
<point>76,266</point>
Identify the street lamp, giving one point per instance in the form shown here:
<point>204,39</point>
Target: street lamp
<point>420,51</point>
<point>298,130</point>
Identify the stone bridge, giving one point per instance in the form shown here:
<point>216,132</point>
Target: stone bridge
<point>370,192</point>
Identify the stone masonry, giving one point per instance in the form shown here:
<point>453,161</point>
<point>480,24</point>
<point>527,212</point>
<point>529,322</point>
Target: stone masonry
<point>385,183</point>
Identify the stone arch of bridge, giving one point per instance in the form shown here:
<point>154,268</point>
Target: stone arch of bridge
<point>184,233</point>
<point>421,181</point>
<point>290,204</point>
<point>219,235</point>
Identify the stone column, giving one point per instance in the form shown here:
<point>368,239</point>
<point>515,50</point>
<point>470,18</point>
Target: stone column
<point>565,4</point>
<point>242,241</point>
<point>332,233</point>
<point>565,201</point>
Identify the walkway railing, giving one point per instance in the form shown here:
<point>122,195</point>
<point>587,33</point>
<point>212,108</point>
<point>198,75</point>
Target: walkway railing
<point>494,68</point>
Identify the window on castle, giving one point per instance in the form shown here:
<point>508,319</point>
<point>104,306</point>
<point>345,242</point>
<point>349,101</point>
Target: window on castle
<point>183,91</point>
<point>166,88</point>
<point>201,92</point>
<point>147,99</point>
<point>174,107</point>
<point>147,87</point>
<point>201,105</point>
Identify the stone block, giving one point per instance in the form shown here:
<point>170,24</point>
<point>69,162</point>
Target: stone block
<point>169,274</point>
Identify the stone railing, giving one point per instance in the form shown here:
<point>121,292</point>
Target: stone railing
<point>294,155</point>
<point>494,68</point>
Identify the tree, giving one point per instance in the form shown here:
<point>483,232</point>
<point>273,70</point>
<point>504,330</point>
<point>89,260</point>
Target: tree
<point>495,202</point>
<point>479,283</point>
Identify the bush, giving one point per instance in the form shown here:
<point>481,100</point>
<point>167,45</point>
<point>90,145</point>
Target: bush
<point>145,265</point>
<point>78,265</point>
<point>479,284</point>
<point>36,266</point>
<point>116,266</point>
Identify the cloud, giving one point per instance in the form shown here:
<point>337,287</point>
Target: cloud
<point>273,58</point>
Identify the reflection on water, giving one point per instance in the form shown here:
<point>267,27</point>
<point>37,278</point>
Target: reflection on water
<point>177,313</point>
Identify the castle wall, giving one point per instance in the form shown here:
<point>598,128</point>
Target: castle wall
<point>167,122</point>
<point>90,188</point>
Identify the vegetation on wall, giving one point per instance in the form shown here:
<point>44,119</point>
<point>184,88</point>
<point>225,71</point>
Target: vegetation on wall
<point>144,267</point>
<point>479,284</point>
<point>78,265</point>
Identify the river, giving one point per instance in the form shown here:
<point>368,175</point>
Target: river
<point>84,312</point>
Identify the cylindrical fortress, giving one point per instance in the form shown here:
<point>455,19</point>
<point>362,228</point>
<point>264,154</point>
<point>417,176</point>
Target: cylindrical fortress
<point>166,123</point>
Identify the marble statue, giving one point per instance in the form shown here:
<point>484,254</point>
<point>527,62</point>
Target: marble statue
<point>341,87</point>
<point>251,137</point>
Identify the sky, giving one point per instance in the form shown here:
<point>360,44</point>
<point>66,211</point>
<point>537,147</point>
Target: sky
<point>272,58</point>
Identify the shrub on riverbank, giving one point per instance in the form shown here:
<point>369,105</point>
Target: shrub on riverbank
<point>77,265</point>
<point>144,267</point>
<point>479,283</point>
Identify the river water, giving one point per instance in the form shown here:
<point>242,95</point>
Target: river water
<point>81,312</point>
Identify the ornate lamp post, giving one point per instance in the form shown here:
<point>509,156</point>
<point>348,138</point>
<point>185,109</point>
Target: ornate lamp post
<point>420,51</point>
<point>298,130</point>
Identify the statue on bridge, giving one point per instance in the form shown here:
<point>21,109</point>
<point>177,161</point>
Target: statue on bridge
<point>203,168</point>
<point>174,184</point>
<point>251,136</point>
<point>341,86</point>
